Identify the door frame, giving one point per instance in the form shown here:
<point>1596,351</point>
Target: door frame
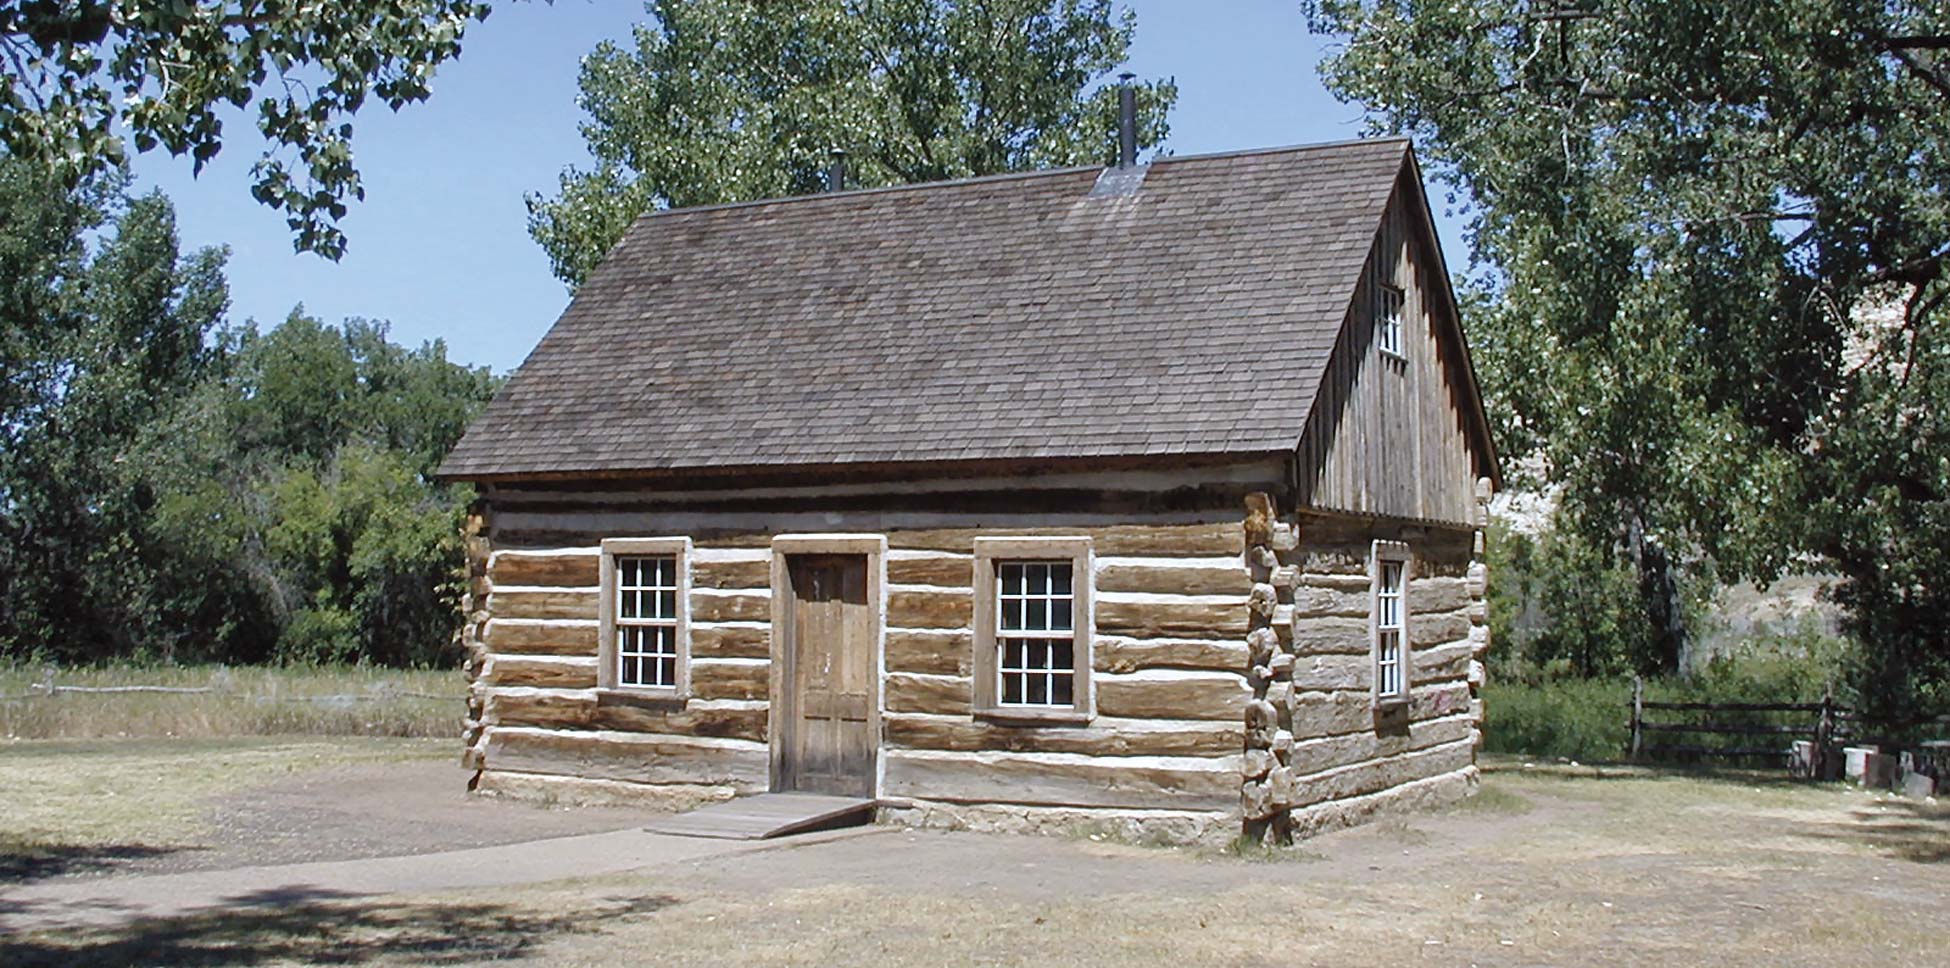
<point>874,548</point>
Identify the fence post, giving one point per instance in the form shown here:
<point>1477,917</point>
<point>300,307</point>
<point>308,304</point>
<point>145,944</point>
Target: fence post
<point>1825,733</point>
<point>1638,713</point>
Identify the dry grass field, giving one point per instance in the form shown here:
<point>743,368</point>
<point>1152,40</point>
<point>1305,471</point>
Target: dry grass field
<point>1548,866</point>
<point>230,701</point>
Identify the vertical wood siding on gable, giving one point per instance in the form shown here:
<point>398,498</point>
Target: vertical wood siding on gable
<point>1389,436</point>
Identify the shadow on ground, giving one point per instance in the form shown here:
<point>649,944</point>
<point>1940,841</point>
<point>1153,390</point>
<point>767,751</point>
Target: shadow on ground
<point>320,927</point>
<point>1898,829</point>
<point>1504,765</point>
<point>24,862</point>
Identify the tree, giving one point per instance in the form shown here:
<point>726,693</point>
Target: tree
<point>297,482</point>
<point>172,488</point>
<point>1682,216</point>
<point>79,77</point>
<point>733,100</point>
<point>99,344</point>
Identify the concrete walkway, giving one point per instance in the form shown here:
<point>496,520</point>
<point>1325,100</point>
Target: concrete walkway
<point>114,901</point>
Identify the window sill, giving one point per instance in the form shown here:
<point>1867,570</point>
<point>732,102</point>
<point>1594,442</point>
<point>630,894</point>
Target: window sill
<point>1389,710</point>
<point>1014,716</point>
<point>1395,355</point>
<point>642,697</point>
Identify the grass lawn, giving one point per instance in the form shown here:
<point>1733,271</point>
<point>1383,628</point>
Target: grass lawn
<point>1549,866</point>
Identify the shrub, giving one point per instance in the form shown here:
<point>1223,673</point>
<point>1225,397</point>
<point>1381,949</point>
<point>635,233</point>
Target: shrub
<point>1589,718</point>
<point>1579,719</point>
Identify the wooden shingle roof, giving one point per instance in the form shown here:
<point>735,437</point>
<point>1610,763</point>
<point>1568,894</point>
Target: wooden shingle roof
<point>1007,318</point>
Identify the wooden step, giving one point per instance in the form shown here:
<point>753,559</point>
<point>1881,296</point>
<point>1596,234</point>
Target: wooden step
<point>768,815</point>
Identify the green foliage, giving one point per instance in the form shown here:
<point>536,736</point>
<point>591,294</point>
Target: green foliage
<point>732,100</point>
<point>97,344</point>
<point>1578,719</point>
<point>1588,720</point>
<point>174,490</point>
<point>1547,711</point>
<point>306,387</point>
<point>1881,512</point>
<point>321,523</point>
<point>299,375</point>
<point>1590,595</point>
<point>82,79</point>
<point>1566,639</point>
<point>1563,606</point>
<point>376,549</point>
<point>1709,245</point>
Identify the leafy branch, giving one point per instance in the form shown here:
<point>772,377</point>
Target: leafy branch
<point>74,75</point>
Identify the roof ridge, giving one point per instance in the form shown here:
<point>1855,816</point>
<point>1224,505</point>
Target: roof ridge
<point>1021,175</point>
<point>1289,149</point>
<point>878,190</point>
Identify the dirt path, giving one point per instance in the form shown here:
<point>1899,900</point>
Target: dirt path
<point>1546,867</point>
<point>379,810</point>
<point>94,809</point>
<point>1549,867</point>
<point>120,903</point>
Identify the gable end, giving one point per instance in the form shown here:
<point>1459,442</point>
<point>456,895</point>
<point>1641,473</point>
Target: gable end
<point>1399,432</point>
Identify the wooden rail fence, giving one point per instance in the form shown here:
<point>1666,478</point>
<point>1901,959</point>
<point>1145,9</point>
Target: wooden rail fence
<point>1819,727</point>
<point>48,688</point>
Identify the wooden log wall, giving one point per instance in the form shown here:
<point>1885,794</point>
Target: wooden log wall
<point>472,634</point>
<point>1231,665</point>
<point>939,514</point>
<point>1267,786</point>
<point>535,688</point>
<point>1314,736</point>
<point>1166,671</point>
<point>1168,660</point>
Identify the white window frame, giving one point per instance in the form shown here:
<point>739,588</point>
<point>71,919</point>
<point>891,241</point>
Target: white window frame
<point>1389,306</point>
<point>1390,692</point>
<point>609,657</point>
<point>991,554</point>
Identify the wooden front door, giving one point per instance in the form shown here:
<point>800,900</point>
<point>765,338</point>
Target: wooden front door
<point>825,735</point>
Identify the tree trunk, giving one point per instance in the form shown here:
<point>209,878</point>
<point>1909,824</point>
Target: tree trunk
<point>1659,597</point>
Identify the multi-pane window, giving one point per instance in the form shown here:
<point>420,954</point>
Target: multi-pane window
<point>1035,632</point>
<point>1390,638</point>
<point>1032,629</point>
<point>646,620</point>
<point>1388,319</point>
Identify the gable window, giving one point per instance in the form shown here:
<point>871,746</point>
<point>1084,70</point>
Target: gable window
<point>1389,573</point>
<point>1388,319</point>
<point>645,644</point>
<point>1032,636</point>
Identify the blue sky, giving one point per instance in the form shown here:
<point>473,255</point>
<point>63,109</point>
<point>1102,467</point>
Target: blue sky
<point>440,246</point>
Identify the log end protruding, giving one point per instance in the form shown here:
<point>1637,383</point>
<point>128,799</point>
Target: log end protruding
<point>1262,721</point>
<point>1260,516</point>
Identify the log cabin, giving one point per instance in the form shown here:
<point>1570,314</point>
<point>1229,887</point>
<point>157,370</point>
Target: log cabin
<point>1147,499</point>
